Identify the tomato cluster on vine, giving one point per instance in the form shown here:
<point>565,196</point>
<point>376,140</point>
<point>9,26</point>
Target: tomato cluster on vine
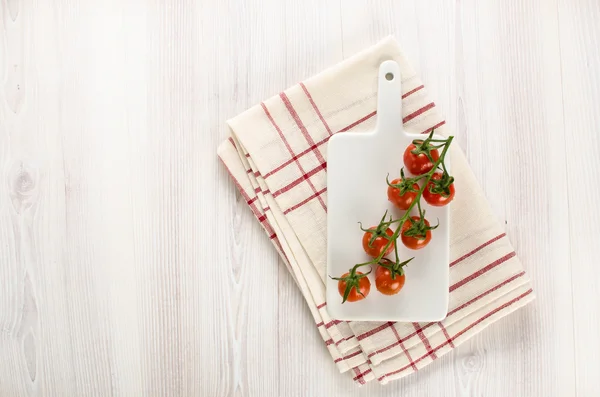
<point>431,181</point>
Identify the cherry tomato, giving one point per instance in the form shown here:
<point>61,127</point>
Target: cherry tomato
<point>419,164</point>
<point>385,283</point>
<point>364,286</point>
<point>437,199</point>
<point>378,245</point>
<point>413,242</point>
<point>402,201</point>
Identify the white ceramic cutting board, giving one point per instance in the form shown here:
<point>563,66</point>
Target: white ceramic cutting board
<point>357,165</point>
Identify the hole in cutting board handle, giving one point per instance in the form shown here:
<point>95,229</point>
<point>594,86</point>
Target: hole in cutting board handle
<point>389,101</point>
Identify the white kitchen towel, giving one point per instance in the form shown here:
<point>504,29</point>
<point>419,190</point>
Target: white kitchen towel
<point>277,156</point>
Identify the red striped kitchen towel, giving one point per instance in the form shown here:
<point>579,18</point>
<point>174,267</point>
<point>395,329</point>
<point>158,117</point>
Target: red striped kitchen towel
<point>277,156</point>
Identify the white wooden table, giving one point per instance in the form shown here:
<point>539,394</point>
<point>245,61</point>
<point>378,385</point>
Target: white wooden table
<point>129,265</point>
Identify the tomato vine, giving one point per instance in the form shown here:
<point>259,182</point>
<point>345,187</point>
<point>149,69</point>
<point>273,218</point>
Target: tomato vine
<point>419,228</point>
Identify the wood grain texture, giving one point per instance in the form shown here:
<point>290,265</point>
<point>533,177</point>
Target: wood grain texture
<point>581,84</point>
<point>129,264</point>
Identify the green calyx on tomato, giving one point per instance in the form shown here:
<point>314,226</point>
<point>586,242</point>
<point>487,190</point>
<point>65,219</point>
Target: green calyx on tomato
<point>440,184</point>
<point>419,226</point>
<point>354,284</point>
<point>426,148</point>
<point>395,268</point>
<point>406,185</point>
<point>379,231</point>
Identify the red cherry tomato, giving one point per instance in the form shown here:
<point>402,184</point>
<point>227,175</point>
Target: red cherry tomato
<point>402,201</point>
<point>414,242</point>
<point>364,286</point>
<point>418,164</point>
<point>378,245</point>
<point>437,199</point>
<point>385,283</point>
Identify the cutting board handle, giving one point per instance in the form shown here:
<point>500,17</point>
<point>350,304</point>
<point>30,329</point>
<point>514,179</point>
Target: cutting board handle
<point>389,99</point>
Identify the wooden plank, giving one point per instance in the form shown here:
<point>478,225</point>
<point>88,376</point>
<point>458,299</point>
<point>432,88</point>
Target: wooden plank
<point>580,65</point>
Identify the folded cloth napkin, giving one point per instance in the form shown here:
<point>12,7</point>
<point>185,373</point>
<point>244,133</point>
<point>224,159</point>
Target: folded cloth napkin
<point>277,156</point>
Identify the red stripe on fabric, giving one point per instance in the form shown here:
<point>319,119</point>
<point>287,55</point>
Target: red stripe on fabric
<point>300,204</point>
<point>256,173</point>
<point>253,199</point>
<point>505,305</point>
<point>268,228</point>
<point>357,122</point>
<point>359,376</point>
<point>502,284</point>
<point>280,248</point>
<point>272,235</point>
<point>409,93</point>
<point>232,142</point>
<point>287,145</point>
<point>235,146</point>
<point>330,341</point>
<point>296,157</point>
<point>482,271</point>
<point>321,305</point>
<point>296,182</point>
<point>424,340</point>
<point>449,314</point>
<point>314,105</point>
<point>356,353</point>
<point>374,331</point>
<point>428,130</point>
<point>240,189</point>
<point>266,208</point>
<point>445,331</point>
<point>418,112</point>
<point>255,210</point>
<point>257,190</point>
<point>285,142</point>
<point>300,124</point>
<point>332,323</point>
<point>465,256</point>
<point>344,340</point>
<point>262,218</point>
<point>319,324</point>
<point>406,353</point>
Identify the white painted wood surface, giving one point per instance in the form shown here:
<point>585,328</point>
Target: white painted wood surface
<point>129,266</point>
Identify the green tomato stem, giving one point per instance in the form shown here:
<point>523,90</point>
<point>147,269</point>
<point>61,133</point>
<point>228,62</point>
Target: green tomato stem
<point>416,201</point>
